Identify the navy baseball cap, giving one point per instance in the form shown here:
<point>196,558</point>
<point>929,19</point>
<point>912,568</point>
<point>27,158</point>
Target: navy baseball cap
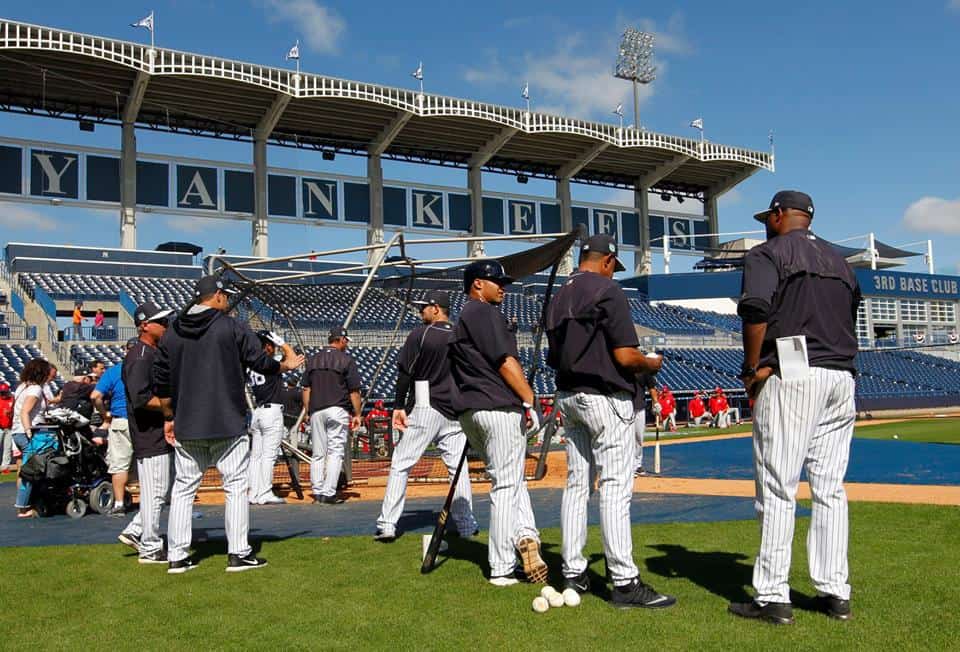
<point>210,284</point>
<point>434,298</point>
<point>605,244</point>
<point>490,270</point>
<point>338,332</point>
<point>787,199</point>
<point>149,311</point>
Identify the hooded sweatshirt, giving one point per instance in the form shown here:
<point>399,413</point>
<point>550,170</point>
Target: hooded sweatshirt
<point>201,365</point>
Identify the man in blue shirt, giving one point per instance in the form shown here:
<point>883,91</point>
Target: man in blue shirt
<point>119,445</point>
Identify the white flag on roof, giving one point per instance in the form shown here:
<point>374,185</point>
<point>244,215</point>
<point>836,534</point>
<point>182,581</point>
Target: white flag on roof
<point>525,93</point>
<point>418,73</point>
<point>294,52</point>
<point>619,110</point>
<point>146,22</point>
<point>697,124</point>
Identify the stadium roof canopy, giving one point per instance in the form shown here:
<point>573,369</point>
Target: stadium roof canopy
<point>56,73</point>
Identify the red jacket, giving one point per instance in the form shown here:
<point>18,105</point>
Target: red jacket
<point>715,405</point>
<point>723,403</point>
<point>6,412</point>
<point>695,408</point>
<point>667,404</point>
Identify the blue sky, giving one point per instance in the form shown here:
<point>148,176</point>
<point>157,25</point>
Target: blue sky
<point>861,96</point>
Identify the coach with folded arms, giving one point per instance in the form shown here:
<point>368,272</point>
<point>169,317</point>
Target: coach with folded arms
<point>200,373</point>
<point>796,284</point>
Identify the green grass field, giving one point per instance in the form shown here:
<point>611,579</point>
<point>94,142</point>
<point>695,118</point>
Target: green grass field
<point>352,593</point>
<point>936,430</point>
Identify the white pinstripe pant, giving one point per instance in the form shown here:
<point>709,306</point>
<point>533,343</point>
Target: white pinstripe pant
<point>797,423</point>
<point>426,425</point>
<point>640,428</point>
<point>266,430</point>
<point>192,457</point>
<point>155,475</point>
<point>328,435</point>
<point>499,435</point>
<point>601,440</point>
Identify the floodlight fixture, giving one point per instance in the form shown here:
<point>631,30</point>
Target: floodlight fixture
<point>665,196</point>
<point>635,63</point>
<point>522,178</point>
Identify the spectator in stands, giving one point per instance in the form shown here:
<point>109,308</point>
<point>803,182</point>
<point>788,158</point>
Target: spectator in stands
<point>695,409</point>
<point>119,444</point>
<point>668,409</point>
<point>98,324</point>
<point>28,407</point>
<point>6,423</point>
<point>78,320</point>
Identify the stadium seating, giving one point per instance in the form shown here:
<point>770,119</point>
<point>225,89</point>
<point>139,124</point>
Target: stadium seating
<point>13,357</point>
<point>665,319</point>
<point>165,292</point>
<point>715,319</point>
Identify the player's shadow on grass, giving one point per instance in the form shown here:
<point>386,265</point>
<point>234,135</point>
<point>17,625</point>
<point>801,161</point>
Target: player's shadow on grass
<point>217,546</point>
<point>414,519</point>
<point>722,573</point>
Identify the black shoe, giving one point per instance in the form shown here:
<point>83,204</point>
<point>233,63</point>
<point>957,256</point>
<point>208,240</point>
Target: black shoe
<point>131,540</point>
<point>639,472</point>
<point>117,512</point>
<point>181,566</point>
<point>331,500</point>
<point>833,607</point>
<point>238,564</point>
<point>384,536</point>
<point>777,613</point>
<point>580,583</point>
<point>159,557</point>
<point>638,594</point>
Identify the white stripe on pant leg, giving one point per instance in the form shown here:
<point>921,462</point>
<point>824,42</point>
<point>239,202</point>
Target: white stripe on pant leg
<point>450,442</point>
<point>155,476</point>
<point>640,426</point>
<point>337,422</point>
<point>576,492</point>
<point>828,537</point>
<point>256,454</point>
<point>318,453</point>
<point>423,424</point>
<point>610,419</point>
<point>232,458</point>
<point>191,459</point>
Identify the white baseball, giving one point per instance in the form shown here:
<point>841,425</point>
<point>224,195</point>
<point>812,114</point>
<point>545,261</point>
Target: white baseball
<point>540,604</point>
<point>555,599</point>
<point>896,436</point>
<point>547,591</point>
<point>571,598</point>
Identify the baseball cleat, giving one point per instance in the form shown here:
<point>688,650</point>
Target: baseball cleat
<point>237,564</point>
<point>638,472</point>
<point>274,500</point>
<point>153,558</point>
<point>637,594</point>
<point>332,500</point>
<point>181,566</point>
<point>833,606</point>
<point>504,580</point>
<point>533,565</point>
<point>131,540</point>
<point>776,613</point>
<point>580,583</point>
<point>385,536</point>
<point>117,511</point>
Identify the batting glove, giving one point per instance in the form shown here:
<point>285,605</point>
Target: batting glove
<point>275,339</point>
<point>534,420</point>
<point>657,409</point>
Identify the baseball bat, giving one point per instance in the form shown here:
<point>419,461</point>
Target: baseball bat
<point>430,559</point>
<point>656,449</point>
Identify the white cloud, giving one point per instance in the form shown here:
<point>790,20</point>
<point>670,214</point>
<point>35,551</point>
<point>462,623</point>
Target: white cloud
<point>188,224</point>
<point>318,27</point>
<point>23,218</point>
<point>576,76</point>
<point>934,214</point>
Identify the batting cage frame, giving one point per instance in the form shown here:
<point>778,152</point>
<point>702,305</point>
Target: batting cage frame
<point>260,301</point>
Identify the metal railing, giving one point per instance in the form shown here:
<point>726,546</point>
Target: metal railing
<point>98,333</point>
<point>17,332</point>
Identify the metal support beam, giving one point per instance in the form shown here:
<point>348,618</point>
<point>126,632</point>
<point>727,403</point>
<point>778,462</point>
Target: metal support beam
<point>128,162</point>
<point>730,182</point>
<point>643,257</point>
<point>711,196</point>
<point>380,144</point>
<point>491,147</point>
<point>475,185</point>
<point>572,168</point>
<point>375,232</point>
<point>566,223</point>
<point>662,171</point>
<point>259,234</point>
<point>713,219</point>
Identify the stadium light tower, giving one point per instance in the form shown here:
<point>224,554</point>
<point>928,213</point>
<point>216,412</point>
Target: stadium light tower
<point>635,64</point>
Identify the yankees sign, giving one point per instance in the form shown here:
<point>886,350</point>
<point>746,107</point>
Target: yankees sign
<point>90,177</point>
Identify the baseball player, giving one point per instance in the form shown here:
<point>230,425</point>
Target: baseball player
<point>668,409</point>
<point>645,383</point>
<point>796,284</point>
<point>593,348</point>
<point>200,369</point>
<point>266,426</point>
<point>493,395</point>
<point>695,410</point>
<point>145,421</point>
<point>119,444</point>
<point>424,359</point>
<point>331,394</point>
